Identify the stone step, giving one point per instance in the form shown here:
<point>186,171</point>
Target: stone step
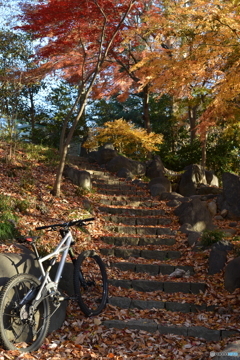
<point>112,192</point>
<point>143,230</point>
<point>128,303</point>
<point>130,201</point>
<point>109,180</point>
<point>153,269</point>
<point>152,326</point>
<point>100,176</point>
<point>99,172</point>
<point>116,186</point>
<point>103,178</point>
<point>138,241</point>
<point>132,220</point>
<point>146,254</point>
<point>165,286</point>
<point>130,211</point>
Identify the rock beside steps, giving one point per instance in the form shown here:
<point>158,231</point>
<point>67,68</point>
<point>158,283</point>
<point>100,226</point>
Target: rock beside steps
<point>141,253</point>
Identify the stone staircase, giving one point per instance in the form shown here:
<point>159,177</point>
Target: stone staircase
<point>143,248</point>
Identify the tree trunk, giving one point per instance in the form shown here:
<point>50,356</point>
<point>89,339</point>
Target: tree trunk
<point>204,150</point>
<point>65,141</point>
<point>32,113</point>
<point>146,115</point>
<point>57,184</point>
<point>192,115</point>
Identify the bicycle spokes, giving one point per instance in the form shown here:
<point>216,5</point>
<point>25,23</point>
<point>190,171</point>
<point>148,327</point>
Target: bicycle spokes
<point>23,326</point>
<point>90,282</point>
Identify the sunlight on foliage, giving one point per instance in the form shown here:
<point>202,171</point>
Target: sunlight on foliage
<point>40,153</point>
<point>126,138</point>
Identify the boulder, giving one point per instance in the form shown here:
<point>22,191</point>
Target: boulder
<point>124,173</point>
<point>211,178</point>
<point>196,214</point>
<point>17,263</point>
<point>212,207</point>
<point>155,168</point>
<point>186,228</point>
<point>157,189</point>
<point>207,190</point>
<point>194,237</point>
<point>81,178</point>
<point>217,260</point>
<point>163,181</point>
<point>92,156</point>
<point>173,196</point>
<point>173,203</point>
<point>190,179</point>
<point>105,154</point>
<point>232,275</point>
<point>229,200</point>
<point>119,162</point>
<point>25,262</point>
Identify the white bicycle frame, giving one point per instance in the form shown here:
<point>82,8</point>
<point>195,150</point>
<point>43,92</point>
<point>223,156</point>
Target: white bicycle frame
<point>48,283</point>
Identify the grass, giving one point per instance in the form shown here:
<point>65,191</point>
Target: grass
<point>39,153</point>
<point>8,219</point>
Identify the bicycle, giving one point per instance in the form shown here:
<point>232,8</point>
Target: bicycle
<point>25,300</point>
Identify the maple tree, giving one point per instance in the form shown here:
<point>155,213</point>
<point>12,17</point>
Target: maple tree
<point>195,58</point>
<point>120,79</point>
<point>78,37</point>
<point>126,138</point>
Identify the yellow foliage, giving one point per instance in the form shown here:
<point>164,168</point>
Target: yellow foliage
<point>196,45</point>
<point>126,137</point>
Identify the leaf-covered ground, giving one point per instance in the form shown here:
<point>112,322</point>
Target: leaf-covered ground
<point>30,178</point>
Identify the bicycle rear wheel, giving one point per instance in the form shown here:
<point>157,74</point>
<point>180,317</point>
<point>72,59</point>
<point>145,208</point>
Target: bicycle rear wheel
<point>90,283</point>
<point>22,327</point>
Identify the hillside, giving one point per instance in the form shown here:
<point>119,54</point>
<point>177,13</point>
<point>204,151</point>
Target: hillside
<point>27,180</point>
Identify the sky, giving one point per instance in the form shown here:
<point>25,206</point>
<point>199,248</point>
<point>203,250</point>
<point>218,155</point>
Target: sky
<point>8,10</point>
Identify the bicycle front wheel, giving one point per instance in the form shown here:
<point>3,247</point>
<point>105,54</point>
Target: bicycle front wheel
<point>90,283</point>
<point>23,327</point>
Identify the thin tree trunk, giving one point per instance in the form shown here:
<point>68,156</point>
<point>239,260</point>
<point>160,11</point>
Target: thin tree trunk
<point>64,142</point>
<point>204,150</point>
<point>57,185</point>
<point>146,115</point>
<point>32,113</point>
<point>192,115</point>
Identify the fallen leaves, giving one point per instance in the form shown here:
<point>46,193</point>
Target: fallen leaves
<point>87,338</point>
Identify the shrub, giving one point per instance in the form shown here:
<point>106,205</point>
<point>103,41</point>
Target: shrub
<point>126,138</point>
<point>7,218</point>
<point>8,230</point>
<point>210,237</point>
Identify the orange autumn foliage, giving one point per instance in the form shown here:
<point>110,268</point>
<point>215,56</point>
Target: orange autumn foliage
<point>195,49</point>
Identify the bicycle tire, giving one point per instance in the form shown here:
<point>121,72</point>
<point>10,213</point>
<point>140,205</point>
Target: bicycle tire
<point>17,330</point>
<point>90,283</point>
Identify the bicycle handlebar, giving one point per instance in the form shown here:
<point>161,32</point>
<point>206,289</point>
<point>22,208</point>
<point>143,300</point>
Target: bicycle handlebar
<point>66,224</point>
